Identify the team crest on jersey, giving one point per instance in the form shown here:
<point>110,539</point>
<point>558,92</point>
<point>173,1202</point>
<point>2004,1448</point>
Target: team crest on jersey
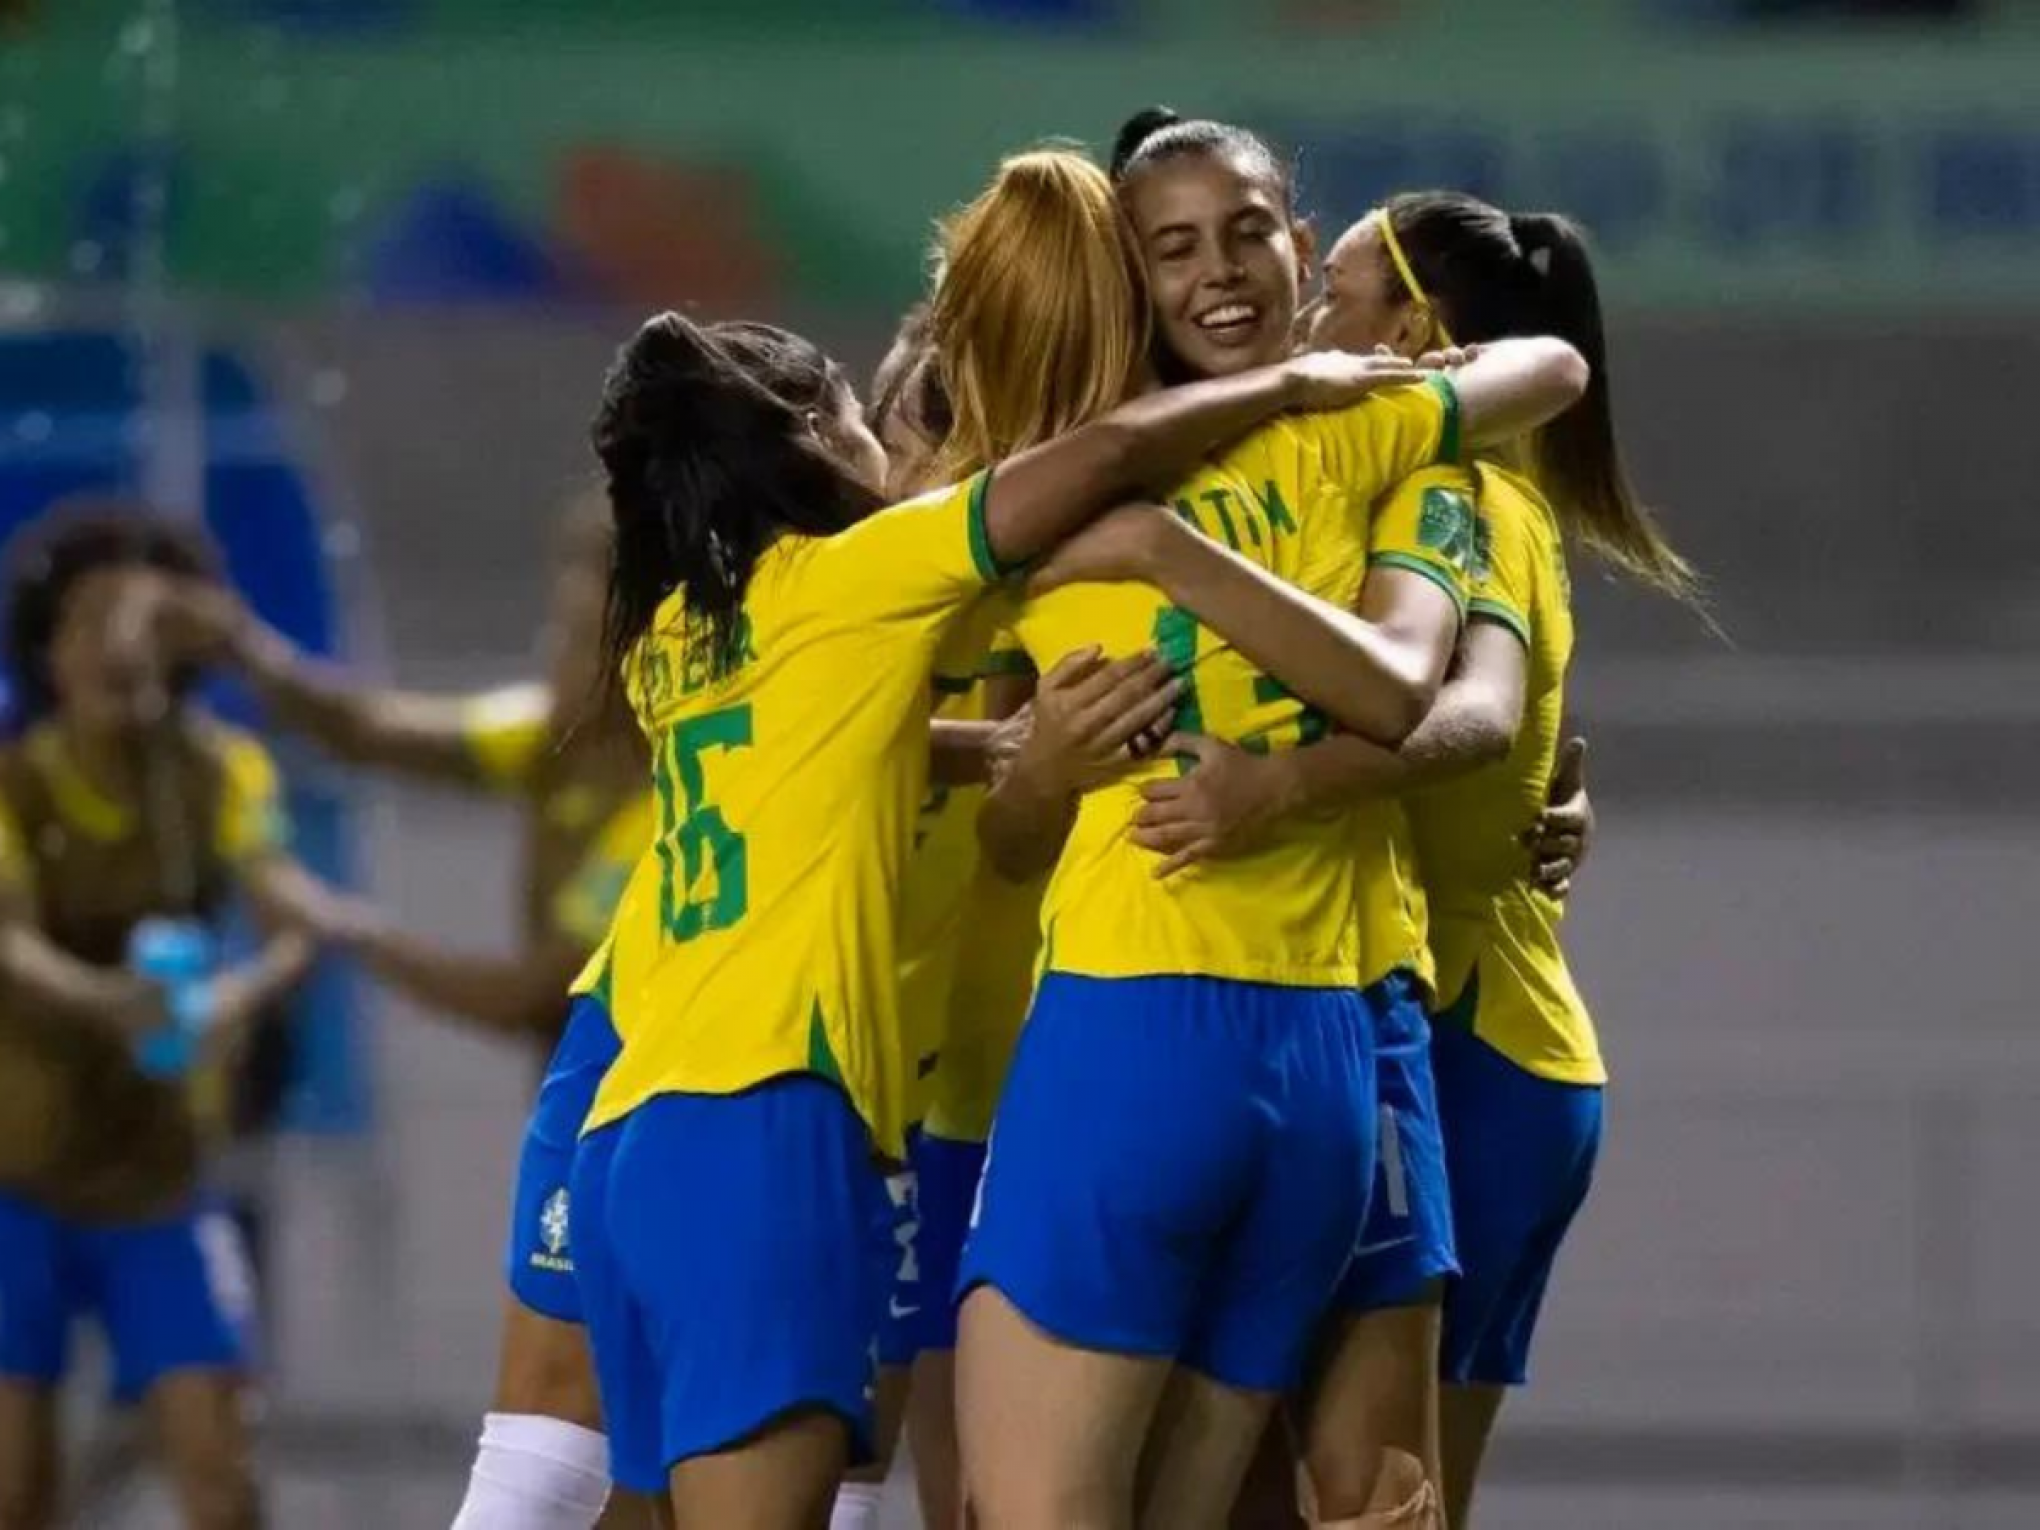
<point>1446,525</point>
<point>553,1232</point>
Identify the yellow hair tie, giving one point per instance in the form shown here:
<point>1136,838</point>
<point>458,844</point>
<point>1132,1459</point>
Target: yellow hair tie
<point>1415,288</point>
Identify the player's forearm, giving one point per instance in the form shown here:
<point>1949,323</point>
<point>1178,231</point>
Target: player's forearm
<point>1514,386</point>
<point>1158,436</point>
<point>506,995</point>
<point>1024,823</point>
<point>1044,494</point>
<point>55,991</point>
<point>1457,737</point>
<point>1366,680</point>
<point>360,724</point>
<point>958,751</point>
<point>244,993</point>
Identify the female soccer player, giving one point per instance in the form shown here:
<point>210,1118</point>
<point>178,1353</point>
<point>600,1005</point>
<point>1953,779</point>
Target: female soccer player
<point>909,417</point>
<point>1214,209</point>
<point>581,777</point>
<point>1519,1070</point>
<point>776,639</point>
<point>128,821</point>
<point>1183,1041</point>
<point>968,943</point>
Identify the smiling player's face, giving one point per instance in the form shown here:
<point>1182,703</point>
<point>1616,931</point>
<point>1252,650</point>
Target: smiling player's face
<point>1222,261</point>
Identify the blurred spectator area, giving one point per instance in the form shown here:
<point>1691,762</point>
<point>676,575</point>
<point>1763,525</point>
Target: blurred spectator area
<point>89,409</point>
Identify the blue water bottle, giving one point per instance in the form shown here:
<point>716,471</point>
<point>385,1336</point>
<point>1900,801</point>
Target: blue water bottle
<point>178,955</point>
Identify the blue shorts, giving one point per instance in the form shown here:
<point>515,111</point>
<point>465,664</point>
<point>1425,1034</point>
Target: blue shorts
<point>907,1287</point>
<point>1179,1168</point>
<point>1522,1150</point>
<point>173,1294</point>
<point>733,1262</point>
<point>947,1173</point>
<point>538,1259</point>
<point>1407,1242</point>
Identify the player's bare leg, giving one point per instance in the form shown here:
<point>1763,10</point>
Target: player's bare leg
<point>931,1433</point>
<point>28,1456</point>
<point>1204,1438</point>
<point>1376,1393</point>
<point>1050,1434</point>
<point>198,1422</point>
<point>1466,1416</point>
<point>783,1478</point>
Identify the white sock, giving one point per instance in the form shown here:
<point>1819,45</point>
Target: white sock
<point>858,1506</point>
<point>535,1473</point>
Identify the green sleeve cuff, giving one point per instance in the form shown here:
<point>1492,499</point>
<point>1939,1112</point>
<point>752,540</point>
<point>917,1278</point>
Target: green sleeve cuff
<point>980,541</point>
<point>1502,615</point>
<point>1437,573</point>
<point>1448,429</point>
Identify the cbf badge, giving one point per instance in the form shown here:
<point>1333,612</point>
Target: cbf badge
<point>552,1233</point>
<point>1446,525</point>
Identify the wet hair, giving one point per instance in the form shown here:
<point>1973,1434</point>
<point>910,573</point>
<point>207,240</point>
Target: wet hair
<point>1493,274</point>
<point>709,451</point>
<point>78,538</point>
<point>1156,133</point>
<point>1040,318</point>
<point>907,381</point>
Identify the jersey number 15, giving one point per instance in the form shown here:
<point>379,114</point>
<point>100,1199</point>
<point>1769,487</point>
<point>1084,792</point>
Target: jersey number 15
<point>692,834</point>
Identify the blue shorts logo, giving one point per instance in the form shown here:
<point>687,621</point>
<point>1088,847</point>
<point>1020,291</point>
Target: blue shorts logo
<point>552,1234</point>
<point>904,1190</point>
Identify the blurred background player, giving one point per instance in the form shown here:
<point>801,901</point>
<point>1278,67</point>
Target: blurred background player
<point>130,822</point>
<point>574,761</point>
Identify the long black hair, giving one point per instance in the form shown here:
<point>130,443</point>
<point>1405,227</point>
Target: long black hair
<point>1157,133</point>
<point>708,442</point>
<point>1493,274</point>
<point>79,538</point>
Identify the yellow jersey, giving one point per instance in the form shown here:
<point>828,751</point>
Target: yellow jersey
<point>587,817</point>
<point>988,996</point>
<point>1296,497</point>
<point>89,867</point>
<point>1431,510</point>
<point>570,783</point>
<point>758,937</point>
<point>584,903</point>
<point>939,871</point>
<point>986,986</point>
<point>1487,917</point>
<point>87,857</point>
<point>506,732</point>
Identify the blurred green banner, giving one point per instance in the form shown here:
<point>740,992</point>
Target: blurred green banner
<point>1792,171</point>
